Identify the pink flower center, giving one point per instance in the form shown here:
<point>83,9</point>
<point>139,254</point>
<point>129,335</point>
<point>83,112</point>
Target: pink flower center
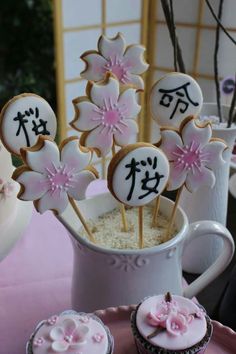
<point>111,117</point>
<point>174,326</point>
<point>190,157</point>
<point>60,178</point>
<point>118,68</point>
<point>68,339</point>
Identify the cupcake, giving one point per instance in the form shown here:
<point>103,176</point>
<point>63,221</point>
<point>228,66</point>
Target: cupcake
<point>71,332</point>
<point>170,324</point>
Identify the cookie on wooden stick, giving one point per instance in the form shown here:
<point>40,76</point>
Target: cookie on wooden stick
<point>192,154</point>
<point>53,177</point>
<point>137,174</point>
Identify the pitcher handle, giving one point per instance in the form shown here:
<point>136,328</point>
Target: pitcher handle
<point>201,229</point>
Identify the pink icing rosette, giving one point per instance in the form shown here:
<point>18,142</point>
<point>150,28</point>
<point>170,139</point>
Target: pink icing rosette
<point>106,116</point>
<point>52,175</point>
<point>126,63</point>
<point>192,154</point>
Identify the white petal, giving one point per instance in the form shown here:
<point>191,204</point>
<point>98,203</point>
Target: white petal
<point>87,116</point>
<point>101,139</point>
<point>192,133</point>
<point>69,326</point>
<point>170,140</point>
<point>128,104</point>
<point>57,333</point>
<point>79,334</point>
<point>105,95</point>
<point>127,133</point>
<point>35,185</point>
<point>134,59</point>
<point>177,177</point>
<point>205,177</point>
<point>57,201</point>
<point>94,70</point>
<point>60,347</point>
<point>80,184</point>
<point>47,157</point>
<point>213,154</point>
<point>135,81</point>
<point>112,48</point>
<point>73,156</point>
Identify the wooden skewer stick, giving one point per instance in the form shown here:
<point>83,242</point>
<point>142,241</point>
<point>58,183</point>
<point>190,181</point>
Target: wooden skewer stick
<point>155,212</point>
<point>140,226</point>
<point>172,218</point>
<point>80,216</point>
<point>122,207</point>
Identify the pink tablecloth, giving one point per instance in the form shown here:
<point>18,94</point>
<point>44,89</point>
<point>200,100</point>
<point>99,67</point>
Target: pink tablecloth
<point>35,279</point>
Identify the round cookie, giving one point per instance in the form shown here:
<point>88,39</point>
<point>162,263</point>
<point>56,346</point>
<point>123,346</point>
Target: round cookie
<point>52,175</point>
<point>125,62</point>
<point>23,119</point>
<point>175,97</point>
<point>137,174</point>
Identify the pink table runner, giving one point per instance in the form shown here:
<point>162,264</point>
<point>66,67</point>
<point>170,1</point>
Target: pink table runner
<point>35,279</point>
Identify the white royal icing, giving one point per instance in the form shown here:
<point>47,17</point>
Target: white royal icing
<point>23,119</point>
<point>175,97</point>
<point>140,176</point>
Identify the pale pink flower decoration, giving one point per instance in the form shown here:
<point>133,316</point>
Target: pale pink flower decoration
<point>37,342</point>
<point>106,117</point>
<point>7,190</point>
<point>176,324</point>
<point>52,320</point>
<point>126,63</point>
<point>68,336</point>
<point>51,174</point>
<point>192,155</point>
<point>97,338</point>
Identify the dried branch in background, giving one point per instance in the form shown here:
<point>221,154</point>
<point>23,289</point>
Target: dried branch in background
<point>232,113</point>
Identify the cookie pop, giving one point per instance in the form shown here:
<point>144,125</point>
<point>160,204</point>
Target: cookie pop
<point>192,153</point>
<point>125,62</point>
<point>173,98</point>
<point>53,177</point>
<point>137,174</point>
<point>23,119</point>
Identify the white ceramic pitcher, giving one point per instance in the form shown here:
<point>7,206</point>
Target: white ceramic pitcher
<point>108,277</point>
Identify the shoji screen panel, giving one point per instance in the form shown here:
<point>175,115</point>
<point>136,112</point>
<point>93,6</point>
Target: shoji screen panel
<point>78,24</point>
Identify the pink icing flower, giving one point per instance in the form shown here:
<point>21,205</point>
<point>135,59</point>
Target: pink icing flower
<point>97,338</point>
<point>84,319</point>
<point>200,313</point>
<point>126,63</point>
<point>68,336</point>
<point>192,154</point>
<point>7,190</point>
<point>37,342</point>
<point>176,324</point>
<point>108,117</point>
<point>52,320</point>
<point>51,174</point>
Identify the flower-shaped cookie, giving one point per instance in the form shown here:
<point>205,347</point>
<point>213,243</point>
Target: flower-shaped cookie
<point>106,116</point>
<point>51,174</point>
<point>192,155</point>
<point>68,336</point>
<point>126,63</point>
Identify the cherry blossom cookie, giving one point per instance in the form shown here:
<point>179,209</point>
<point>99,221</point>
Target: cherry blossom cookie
<point>106,116</point>
<point>71,332</point>
<point>170,324</point>
<point>125,62</point>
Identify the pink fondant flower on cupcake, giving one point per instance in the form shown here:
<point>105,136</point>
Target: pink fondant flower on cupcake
<point>192,154</point>
<point>106,116</point>
<point>126,63</point>
<point>176,324</point>
<point>68,336</point>
<point>52,175</point>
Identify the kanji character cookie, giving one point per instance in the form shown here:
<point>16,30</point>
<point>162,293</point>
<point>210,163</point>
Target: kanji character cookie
<point>137,174</point>
<point>175,97</point>
<point>23,119</point>
<point>106,116</point>
<point>52,175</point>
<point>192,154</point>
<point>125,62</point>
